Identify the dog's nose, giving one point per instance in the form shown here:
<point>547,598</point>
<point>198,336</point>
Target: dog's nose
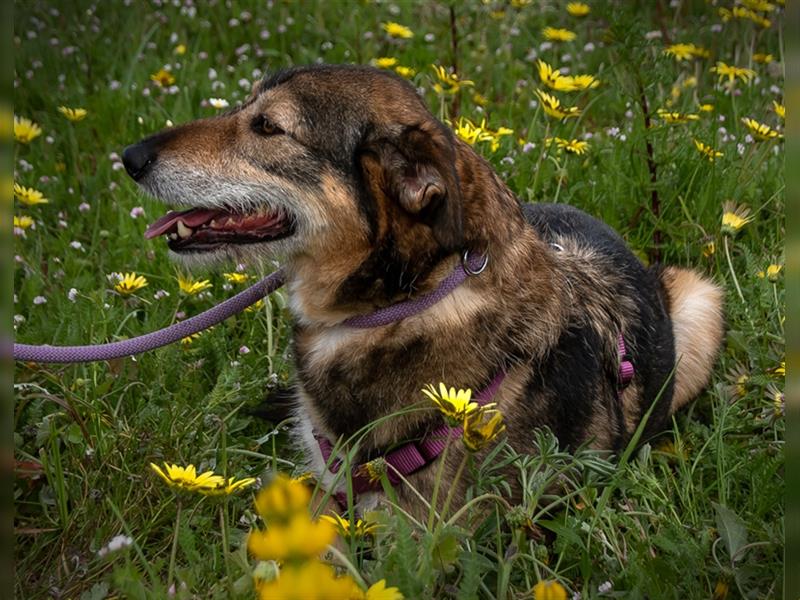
<point>138,158</point>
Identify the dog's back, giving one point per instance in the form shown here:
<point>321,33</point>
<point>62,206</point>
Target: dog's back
<point>680,313</point>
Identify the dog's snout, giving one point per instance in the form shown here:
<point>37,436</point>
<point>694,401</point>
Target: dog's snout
<point>137,158</point>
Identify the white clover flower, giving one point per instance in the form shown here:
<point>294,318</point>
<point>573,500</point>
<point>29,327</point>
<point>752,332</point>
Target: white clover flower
<point>72,294</point>
<point>136,212</point>
<point>75,245</point>
<point>218,103</point>
<point>39,300</point>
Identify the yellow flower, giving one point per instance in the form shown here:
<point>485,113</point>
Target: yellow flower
<point>553,79</point>
<point>374,469</point>
<point>379,591</point>
<point>734,217</point>
<point>25,130</point>
<point>732,73</point>
<point>740,12</point>
<point>226,488</point>
<point>396,30</point>
<point>578,9</point>
<point>468,131</point>
<point>706,108</point>
<point>759,5</point>
<point>163,78</point>
<point>29,196</point>
<point>480,99</point>
<point>185,341</point>
<point>129,283</point>
<point>255,306</point>
<point>282,498</point>
<point>549,590</point>
<point>23,222</point>
<point>385,62</point>
<point>180,49</point>
<point>707,151</point>
<point>709,249</point>
<point>346,529</point>
<point>780,370</point>
<point>760,130</point>
<point>552,106</point>
<point>297,538</point>
<point>406,72</point>
<point>686,51</point>
<point>450,80</point>
<point>454,405</point>
<point>675,117</point>
<point>190,287</point>
<point>186,478</point>
<point>236,277</point>
<point>481,428</point>
<point>762,58</point>
<point>571,146</point>
<point>720,590</point>
<point>779,109</point>
<point>519,3</point>
<point>773,271</point>
<point>73,114</point>
<point>309,580</point>
<point>555,34</point>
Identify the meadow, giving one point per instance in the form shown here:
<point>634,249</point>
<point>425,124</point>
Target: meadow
<point>664,119</point>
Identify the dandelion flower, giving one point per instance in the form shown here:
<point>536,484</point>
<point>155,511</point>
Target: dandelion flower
<point>570,146</point>
<point>779,109</point>
<point>549,590</point>
<point>686,51</point>
<point>406,72</point>
<point>357,529</point>
<point>761,131</point>
<point>307,580</point>
<point>453,404</point>
<point>675,117</point>
<point>163,78</point>
<point>481,428</point>
<point>299,537</point>
<point>129,283</point>
<point>451,80</point>
<point>772,273</point>
<point>554,34</point>
<point>73,114</point>
<point>395,30</point>
<point>386,62</point>
<point>552,106</point>
<point>190,287</point>
<point>707,151</point>
<point>734,217</point>
<point>282,498</point>
<point>236,277</point>
<point>186,478</point>
<point>732,73</point>
<point>180,49</point>
<point>578,9</point>
<point>762,58</point>
<point>705,107</point>
<point>379,591</point>
<point>25,130</point>
<point>29,196</point>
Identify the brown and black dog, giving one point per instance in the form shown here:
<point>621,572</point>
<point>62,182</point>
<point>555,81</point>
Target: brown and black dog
<point>369,200</point>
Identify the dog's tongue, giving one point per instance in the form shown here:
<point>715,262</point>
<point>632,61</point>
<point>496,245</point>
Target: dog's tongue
<point>191,218</point>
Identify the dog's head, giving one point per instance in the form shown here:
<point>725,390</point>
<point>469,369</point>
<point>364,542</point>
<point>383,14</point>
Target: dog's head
<point>318,160</point>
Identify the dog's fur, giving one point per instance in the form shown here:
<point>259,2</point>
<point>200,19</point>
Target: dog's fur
<point>384,199</point>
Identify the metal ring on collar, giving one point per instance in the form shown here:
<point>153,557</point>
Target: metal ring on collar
<point>468,269</point>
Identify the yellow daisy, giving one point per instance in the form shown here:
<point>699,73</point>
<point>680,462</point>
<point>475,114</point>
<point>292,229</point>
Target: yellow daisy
<point>396,30</point>
<point>707,151</point>
<point>779,109</point>
<point>675,117</point>
<point>555,34</point>
<point>406,72</point>
<point>163,78</point>
<point>453,404</point>
<point>761,131</point>
<point>236,277</point>
<point>357,529</point>
<point>130,283</point>
<point>25,130</point>
<point>549,590</point>
<point>570,146</point>
<point>578,9</point>
<point>190,287</point>
<point>734,217</point>
<point>686,51</point>
<point>450,80</point>
<point>186,478</point>
<point>732,73</point>
<point>385,62</point>
<point>481,428</point>
<point>23,222</point>
<point>73,114</point>
<point>29,196</point>
<point>552,106</point>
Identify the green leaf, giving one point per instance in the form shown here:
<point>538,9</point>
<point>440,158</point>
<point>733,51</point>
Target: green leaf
<point>98,592</point>
<point>731,529</point>
<point>445,553</point>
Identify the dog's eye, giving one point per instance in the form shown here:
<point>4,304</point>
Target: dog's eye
<point>264,126</point>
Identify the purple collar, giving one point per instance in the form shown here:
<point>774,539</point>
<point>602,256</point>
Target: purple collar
<point>469,266</point>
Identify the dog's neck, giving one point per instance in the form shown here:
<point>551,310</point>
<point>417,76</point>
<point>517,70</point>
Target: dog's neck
<point>324,291</point>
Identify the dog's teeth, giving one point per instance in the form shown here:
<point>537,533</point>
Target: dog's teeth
<point>173,236</point>
<point>183,230</point>
<point>213,223</point>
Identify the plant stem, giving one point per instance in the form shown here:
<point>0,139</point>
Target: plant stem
<point>174,552</point>
<point>730,267</point>
<point>223,525</point>
<point>437,483</point>
<point>453,486</point>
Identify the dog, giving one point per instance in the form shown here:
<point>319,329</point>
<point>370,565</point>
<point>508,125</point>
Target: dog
<point>371,202</point>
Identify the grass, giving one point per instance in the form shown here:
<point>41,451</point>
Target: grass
<point>696,513</point>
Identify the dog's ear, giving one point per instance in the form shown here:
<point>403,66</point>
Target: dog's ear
<point>417,172</point>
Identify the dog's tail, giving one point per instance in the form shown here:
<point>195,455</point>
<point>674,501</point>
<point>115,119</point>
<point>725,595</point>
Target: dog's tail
<point>698,326</point>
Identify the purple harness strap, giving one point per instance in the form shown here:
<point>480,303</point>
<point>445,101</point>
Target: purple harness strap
<point>626,371</point>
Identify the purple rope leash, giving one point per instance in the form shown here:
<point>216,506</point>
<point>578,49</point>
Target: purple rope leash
<point>156,339</point>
